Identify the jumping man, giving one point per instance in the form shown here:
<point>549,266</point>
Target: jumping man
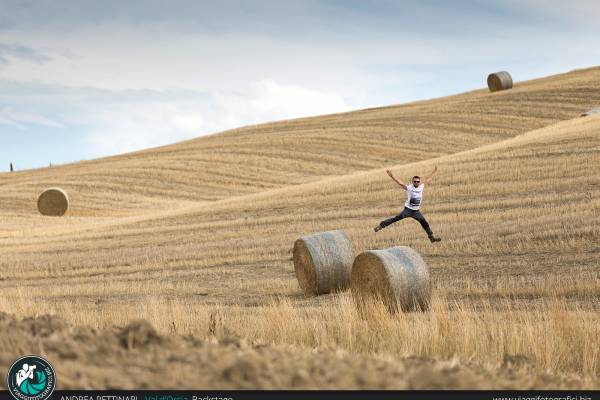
<point>413,203</point>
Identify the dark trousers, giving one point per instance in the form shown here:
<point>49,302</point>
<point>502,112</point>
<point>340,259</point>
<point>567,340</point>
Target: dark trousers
<point>408,213</point>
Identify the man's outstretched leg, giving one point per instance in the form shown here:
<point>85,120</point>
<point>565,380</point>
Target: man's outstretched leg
<point>390,221</point>
<point>419,217</point>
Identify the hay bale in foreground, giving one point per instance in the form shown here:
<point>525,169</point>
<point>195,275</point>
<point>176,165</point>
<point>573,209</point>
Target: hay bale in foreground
<point>397,276</point>
<point>323,262</point>
<point>591,112</point>
<point>499,81</point>
<point>53,202</point>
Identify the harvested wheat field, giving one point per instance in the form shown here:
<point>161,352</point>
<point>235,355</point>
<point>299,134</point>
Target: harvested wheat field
<point>196,239</point>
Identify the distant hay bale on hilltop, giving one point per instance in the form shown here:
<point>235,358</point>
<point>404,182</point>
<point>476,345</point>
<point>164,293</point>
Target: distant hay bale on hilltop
<point>53,202</point>
<point>591,112</point>
<point>397,276</point>
<point>323,262</point>
<point>499,81</point>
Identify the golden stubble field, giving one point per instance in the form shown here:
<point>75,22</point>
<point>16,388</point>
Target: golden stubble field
<point>196,238</point>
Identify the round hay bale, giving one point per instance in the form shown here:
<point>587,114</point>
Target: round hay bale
<point>323,262</point>
<point>53,202</point>
<point>591,112</point>
<point>398,277</point>
<point>499,81</point>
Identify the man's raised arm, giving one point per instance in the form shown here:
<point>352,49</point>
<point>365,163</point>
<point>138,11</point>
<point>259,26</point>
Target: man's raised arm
<point>430,177</point>
<point>398,181</point>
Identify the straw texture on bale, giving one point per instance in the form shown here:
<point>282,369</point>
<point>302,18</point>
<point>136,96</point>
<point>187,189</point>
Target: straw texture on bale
<point>323,262</point>
<point>499,81</point>
<point>53,202</point>
<point>591,112</point>
<point>397,276</point>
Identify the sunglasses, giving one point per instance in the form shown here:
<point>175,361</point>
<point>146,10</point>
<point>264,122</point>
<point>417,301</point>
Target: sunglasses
<point>416,181</point>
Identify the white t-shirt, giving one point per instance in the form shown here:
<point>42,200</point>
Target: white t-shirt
<point>414,196</point>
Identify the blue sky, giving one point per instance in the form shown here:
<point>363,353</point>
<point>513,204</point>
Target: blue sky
<point>84,79</point>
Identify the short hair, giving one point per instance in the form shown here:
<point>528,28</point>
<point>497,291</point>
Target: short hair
<point>416,176</point>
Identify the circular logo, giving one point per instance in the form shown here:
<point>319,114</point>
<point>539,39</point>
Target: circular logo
<point>31,378</point>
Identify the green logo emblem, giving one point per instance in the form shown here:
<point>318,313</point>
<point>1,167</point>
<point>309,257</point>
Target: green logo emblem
<point>31,378</point>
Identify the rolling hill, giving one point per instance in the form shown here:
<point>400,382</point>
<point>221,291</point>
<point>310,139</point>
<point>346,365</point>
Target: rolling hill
<point>257,158</point>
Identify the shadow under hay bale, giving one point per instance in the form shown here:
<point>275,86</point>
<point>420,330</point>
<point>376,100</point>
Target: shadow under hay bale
<point>397,276</point>
<point>591,112</point>
<point>323,262</point>
<point>53,202</point>
<point>499,81</point>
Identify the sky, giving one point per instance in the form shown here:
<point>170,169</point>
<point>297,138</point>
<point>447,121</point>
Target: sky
<point>84,79</point>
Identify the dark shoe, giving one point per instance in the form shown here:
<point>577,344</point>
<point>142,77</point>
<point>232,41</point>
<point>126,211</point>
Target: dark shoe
<point>434,239</point>
<point>377,228</point>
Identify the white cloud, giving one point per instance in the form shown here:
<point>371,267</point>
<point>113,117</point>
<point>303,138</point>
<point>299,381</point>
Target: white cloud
<point>267,100</point>
<point>16,51</point>
<point>135,126</point>
<point>578,11</point>
<point>19,119</point>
